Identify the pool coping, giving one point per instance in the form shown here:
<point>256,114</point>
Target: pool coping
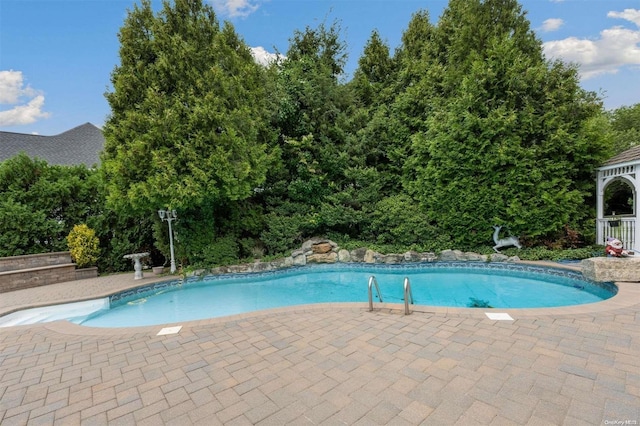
<point>628,295</point>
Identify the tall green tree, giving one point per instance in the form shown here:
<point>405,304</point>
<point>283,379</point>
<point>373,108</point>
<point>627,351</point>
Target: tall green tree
<point>386,138</point>
<point>311,119</point>
<point>189,124</point>
<point>509,138</point>
<point>311,105</point>
<point>390,110</point>
<point>188,116</point>
<point>374,85</point>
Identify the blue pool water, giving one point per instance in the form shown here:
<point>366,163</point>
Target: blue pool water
<point>441,284</point>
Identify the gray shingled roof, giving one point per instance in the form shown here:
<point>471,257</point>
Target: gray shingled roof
<point>80,145</point>
<point>632,154</point>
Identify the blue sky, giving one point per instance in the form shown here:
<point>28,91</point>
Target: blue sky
<point>56,56</point>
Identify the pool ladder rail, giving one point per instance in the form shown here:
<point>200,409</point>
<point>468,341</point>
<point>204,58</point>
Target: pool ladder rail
<point>373,282</point>
<point>408,294</point>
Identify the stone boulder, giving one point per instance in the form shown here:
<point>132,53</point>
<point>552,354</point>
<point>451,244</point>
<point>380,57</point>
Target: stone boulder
<point>391,258</point>
<point>358,254</point>
<point>219,270</point>
<point>428,257</point>
<point>449,255</point>
<point>499,257</point>
<point>475,257</point>
<point>241,269</point>
<point>603,269</point>
<point>299,260</point>
<point>370,256</point>
<point>323,258</point>
<point>262,267</point>
<point>344,256</point>
<point>321,248</point>
<point>412,256</point>
<point>316,241</point>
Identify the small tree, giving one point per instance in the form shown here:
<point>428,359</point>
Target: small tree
<point>83,245</point>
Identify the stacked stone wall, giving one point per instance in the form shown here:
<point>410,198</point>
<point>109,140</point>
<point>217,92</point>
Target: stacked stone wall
<point>19,272</point>
<point>321,250</point>
<point>29,261</point>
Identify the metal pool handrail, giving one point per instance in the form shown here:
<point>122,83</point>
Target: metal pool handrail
<point>408,295</point>
<point>372,282</point>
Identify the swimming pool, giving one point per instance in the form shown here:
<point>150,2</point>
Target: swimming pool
<point>454,284</point>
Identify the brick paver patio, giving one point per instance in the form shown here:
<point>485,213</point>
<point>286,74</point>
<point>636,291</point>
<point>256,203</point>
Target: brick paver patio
<point>331,364</point>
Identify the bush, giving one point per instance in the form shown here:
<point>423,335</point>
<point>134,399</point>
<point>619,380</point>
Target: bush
<point>284,232</point>
<point>83,245</point>
<point>40,203</point>
<point>399,220</point>
<point>222,251</point>
<point>543,253</point>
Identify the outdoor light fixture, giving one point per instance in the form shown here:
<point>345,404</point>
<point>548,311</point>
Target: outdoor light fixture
<point>169,216</point>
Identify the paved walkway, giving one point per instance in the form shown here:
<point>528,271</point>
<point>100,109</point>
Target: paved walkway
<point>325,364</point>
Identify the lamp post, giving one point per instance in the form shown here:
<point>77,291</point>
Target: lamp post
<point>169,216</point>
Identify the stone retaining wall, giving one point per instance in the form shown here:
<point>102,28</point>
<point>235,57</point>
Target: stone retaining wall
<point>29,261</point>
<point>33,270</point>
<point>35,277</point>
<point>85,273</point>
<point>320,250</point>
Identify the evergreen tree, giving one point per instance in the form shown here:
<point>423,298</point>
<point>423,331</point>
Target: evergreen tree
<point>508,138</point>
<point>311,119</point>
<point>188,116</point>
<point>188,127</point>
<point>375,72</point>
<point>384,142</point>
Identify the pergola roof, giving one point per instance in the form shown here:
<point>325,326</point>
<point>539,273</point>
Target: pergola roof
<point>629,156</point>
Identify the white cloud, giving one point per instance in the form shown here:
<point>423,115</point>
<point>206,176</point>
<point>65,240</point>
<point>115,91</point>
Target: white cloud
<point>235,8</point>
<point>24,114</point>
<point>263,57</point>
<point>26,103</point>
<point>632,15</point>
<point>552,24</point>
<point>11,89</point>
<point>616,47</point>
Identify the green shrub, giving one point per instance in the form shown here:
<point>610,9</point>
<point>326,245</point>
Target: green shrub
<point>543,253</point>
<point>283,233</point>
<point>83,245</point>
<point>208,250</point>
<point>399,220</point>
<point>223,251</point>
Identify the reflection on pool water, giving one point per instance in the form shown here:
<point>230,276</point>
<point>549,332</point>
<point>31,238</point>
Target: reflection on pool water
<point>452,284</point>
